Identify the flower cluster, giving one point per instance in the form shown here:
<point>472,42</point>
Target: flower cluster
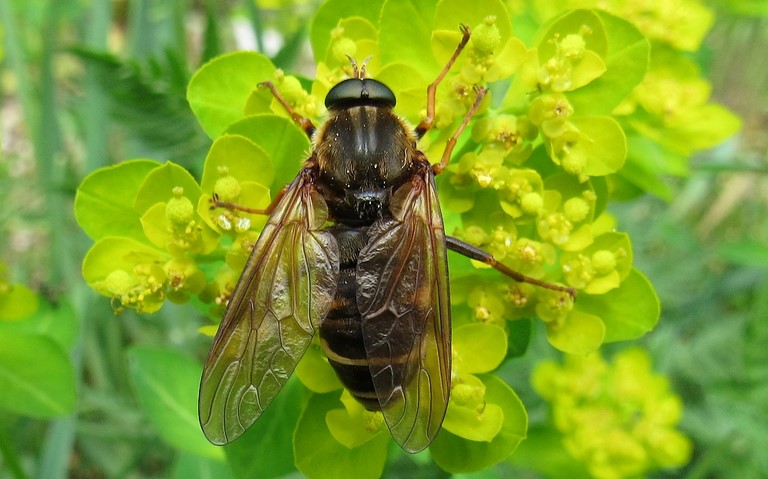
<point>169,230</point>
<point>619,417</point>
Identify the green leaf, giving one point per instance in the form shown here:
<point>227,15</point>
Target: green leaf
<point>327,18</point>
<point>219,90</point>
<point>57,322</point>
<point>475,422</point>
<point>158,186</point>
<point>588,68</point>
<point>36,377</point>
<point>363,34</point>
<point>572,22</point>
<point>104,200</point>
<point>166,384</point>
<point>479,347</point>
<point>161,120</point>
<point>244,160</point>
<point>320,456</point>
<point>352,425</point>
<point>646,161</point>
<point>156,225</point>
<point>272,434</point>
<point>444,42</point>
<point>518,337</point>
<point>579,333</point>
<point>405,30</point>
<point>17,302</point>
<point>283,141</point>
<point>628,312</point>
<point>454,454</point>
<point>190,466</point>
<point>602,142</point>
<point>348,430</point>
<point>508,60</point>
<point>459,200</point>
<point>543,452</point>
<point>410,87</point>
<point>116,253</point>
<point>626,61</point>
<point>702,127</point>
<point>316,373</point>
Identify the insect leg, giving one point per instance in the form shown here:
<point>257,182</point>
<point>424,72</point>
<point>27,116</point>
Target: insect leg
<point>427,122</point>
<point>303,122</point>
<point>473,252</point>
<point>215,203</point>
<point>438,168</point>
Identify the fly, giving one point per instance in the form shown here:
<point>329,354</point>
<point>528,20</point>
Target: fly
<point>354,249</point>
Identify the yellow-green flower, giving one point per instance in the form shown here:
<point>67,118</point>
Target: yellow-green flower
<point>619,418</point>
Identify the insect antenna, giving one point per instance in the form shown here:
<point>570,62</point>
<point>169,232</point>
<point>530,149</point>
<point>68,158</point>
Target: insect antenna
<point>358,73</point>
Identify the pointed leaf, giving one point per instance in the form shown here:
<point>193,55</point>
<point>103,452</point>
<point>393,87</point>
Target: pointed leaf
<point>579,333</point>
<point>320,456</point>
<point>104,200</point>
<point>628,312</point>
<point>158,186</point>
<point>166,384</point>
<point>219,90</point>
<point>283,141</point>
<point>327,18</point>
<point>36,377</point>
<point>454,454</point>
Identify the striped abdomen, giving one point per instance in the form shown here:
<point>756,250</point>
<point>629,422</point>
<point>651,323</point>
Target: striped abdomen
<point>341,334</point>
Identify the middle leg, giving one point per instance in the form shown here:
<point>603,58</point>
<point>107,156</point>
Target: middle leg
<point>473,252</point>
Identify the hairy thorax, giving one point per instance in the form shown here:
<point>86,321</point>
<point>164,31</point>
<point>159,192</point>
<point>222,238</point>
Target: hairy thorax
<point>363,153</point>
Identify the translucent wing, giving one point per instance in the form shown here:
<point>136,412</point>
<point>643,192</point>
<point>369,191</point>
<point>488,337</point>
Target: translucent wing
<point>283,294</point>
<point>402,294</point>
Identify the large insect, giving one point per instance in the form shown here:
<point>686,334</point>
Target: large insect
<point>355,248</point>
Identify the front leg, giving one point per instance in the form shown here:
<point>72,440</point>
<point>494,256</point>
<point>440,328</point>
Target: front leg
<point>303,122</point>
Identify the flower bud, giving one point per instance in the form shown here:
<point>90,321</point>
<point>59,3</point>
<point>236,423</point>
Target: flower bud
<point>486,37</point>
<point>576,209</point>
<point>179,210</point>
<point>228,189</point>
<point>603,261</point>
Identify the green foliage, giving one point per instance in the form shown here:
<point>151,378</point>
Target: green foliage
<point>162,122</point>
<point>37,380</point>
<point>712,343</point>
<point>619,419</point>
<point>668,116</point>
<point>166,383</point>
<point>219,101</point>
<point>16,300</point>
<point>587,106</point>
<point>267,448</point>
<point>320,455</point>
<point>36,375</point>
<point>454,453</point>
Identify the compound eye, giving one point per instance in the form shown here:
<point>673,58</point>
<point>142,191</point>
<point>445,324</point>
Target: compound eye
<point>357,92</point>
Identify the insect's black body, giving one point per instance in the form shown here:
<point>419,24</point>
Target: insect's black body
<point>353,248</point>
<point>364,152</point>
<point>372,280</point>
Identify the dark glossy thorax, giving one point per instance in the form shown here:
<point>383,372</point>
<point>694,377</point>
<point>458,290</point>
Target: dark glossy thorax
<point>363,153</point>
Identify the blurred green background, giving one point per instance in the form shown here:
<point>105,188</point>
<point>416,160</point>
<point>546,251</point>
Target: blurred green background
<point>89,83</point>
